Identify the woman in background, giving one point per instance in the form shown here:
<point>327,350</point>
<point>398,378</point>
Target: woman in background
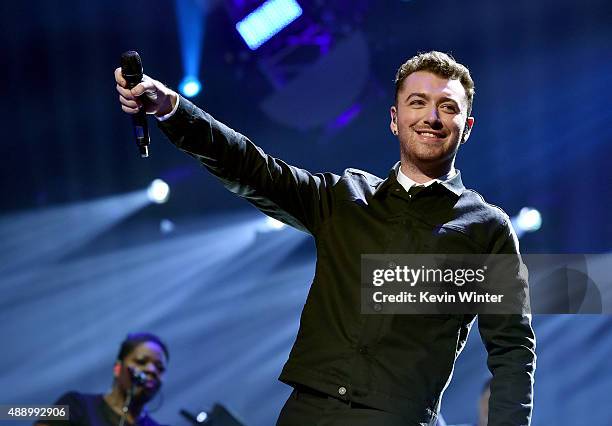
<point>138,374</point>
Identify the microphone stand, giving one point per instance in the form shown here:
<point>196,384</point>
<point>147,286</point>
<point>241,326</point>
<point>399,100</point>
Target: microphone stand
<point>126,406</point>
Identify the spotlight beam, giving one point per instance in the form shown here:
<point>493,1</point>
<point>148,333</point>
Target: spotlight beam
<point>39,237</point>
<point>190,16</point>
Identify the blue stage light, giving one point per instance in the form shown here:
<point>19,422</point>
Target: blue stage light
<point>267,20</point>
<point>190,86</point>
<point>191,23</point>
<point>166,226</point>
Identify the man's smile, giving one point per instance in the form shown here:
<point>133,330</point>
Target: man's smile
<point>430,135</point>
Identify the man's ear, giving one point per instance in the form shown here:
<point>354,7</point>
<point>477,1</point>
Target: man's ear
<point>469,123</point>
<point>393,123</point>
<point>117,369</point>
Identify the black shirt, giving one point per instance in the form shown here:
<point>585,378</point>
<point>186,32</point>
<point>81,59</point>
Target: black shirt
<point>397,363</point>
<point>92,410</point>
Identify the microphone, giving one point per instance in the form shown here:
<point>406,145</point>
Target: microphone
<point>131,69</point>
<point>138,377</point>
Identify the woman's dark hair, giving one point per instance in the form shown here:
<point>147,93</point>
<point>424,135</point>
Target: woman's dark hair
<point>134,339</point>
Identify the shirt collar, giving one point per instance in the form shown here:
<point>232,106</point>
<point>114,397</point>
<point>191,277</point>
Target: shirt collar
<point>451,181</point>
<point>408,183</point>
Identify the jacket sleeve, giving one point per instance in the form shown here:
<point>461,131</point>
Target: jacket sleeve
<point>510,343</point>
<point>287,193</point>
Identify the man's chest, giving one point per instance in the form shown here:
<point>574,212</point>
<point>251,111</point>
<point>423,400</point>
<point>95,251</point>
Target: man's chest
<point>425,223</point>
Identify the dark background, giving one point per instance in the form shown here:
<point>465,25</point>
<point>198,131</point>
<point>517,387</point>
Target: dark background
<point>82,263</point>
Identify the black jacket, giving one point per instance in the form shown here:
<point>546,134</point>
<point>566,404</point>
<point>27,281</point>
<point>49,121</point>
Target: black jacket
<point>398,363</point>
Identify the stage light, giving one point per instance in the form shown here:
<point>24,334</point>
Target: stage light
<point>158,191</point>
<point>202,416</point>
<point>191,22</point>
<point>190,86</point>
<point>527,220</point>
<point>166,226</point>
<point>274,224</point>
<point>269,224</point>
<point>267,20</point>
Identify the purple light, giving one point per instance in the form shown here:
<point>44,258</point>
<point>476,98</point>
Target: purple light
<point>346,117</point>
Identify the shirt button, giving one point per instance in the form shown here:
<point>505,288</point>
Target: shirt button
<point>363,350</point>
<point>342,390</point>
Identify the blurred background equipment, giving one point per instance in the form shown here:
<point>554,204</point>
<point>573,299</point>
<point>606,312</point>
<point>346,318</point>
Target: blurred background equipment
<point>218,416</point>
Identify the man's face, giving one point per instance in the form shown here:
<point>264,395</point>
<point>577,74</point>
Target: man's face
<point>429,119</point>
<point>149,358</point>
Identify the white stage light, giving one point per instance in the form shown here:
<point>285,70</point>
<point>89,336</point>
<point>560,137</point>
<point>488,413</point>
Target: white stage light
<point>529,219</point>
<point>202,416</point>
<point>158,191</point>
<point>269,224</point>
<point>267,20</point>
<point>274,224</point>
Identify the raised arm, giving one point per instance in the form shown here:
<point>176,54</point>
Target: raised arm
<point>287,193</point>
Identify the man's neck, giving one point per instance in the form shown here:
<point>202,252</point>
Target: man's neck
<point>419,175</point>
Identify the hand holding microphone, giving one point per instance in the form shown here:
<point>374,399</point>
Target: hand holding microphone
<point>140,94</point>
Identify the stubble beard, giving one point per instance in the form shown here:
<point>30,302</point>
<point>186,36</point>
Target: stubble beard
<point>433,159</point>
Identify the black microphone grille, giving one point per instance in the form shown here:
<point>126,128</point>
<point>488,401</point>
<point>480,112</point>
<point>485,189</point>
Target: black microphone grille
<point>131,63</point>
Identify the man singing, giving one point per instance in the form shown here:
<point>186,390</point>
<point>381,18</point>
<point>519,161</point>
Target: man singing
<point>348,368</point>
